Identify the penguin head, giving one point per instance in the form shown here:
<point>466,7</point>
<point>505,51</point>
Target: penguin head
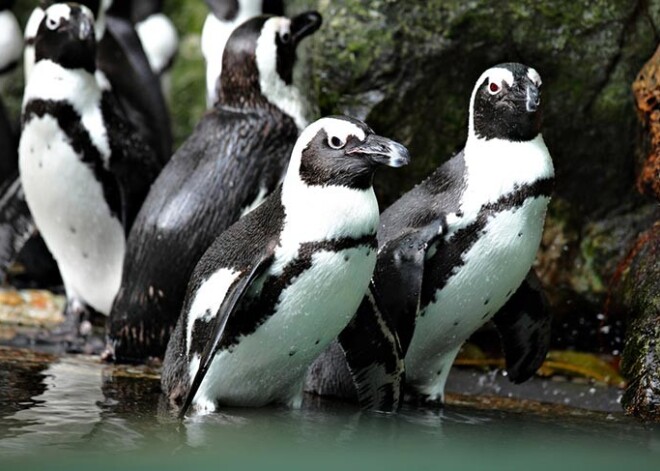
<point>342,151</point>
<point>66,37</point>
<point>259,59</point>
<point>97,7</point>
<point>505,104</point>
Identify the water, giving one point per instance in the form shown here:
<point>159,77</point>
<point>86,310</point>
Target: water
<point>76,413</point>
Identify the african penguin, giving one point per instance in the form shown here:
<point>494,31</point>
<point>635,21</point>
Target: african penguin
<point>97,7</point>
<point>224,17</point>
<point>83,168</point>
<point>11,42</point>
<point>236,155</point>
<point>453,251</point>
<point>11,48</point>
<point>122,69</point>
<point>275,288</point>
<point>157,34</point>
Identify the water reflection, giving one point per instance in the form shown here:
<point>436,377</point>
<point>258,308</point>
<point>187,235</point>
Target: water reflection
<point>82,406</point>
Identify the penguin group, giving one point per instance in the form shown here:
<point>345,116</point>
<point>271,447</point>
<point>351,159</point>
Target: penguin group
<point>254,261</point>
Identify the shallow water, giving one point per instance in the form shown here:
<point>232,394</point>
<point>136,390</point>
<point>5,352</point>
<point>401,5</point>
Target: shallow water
<point>75,413</point>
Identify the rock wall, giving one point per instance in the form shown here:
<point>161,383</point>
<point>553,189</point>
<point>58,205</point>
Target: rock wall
<point>408,68</point>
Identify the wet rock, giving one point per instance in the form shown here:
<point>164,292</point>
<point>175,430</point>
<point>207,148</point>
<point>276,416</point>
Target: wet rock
<point>646,89</point>
<point>637,292</point>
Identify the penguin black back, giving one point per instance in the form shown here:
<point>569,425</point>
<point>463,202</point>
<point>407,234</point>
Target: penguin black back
<point>236,155</point>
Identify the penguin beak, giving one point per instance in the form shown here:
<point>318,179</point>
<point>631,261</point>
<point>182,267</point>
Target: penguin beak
<point>383,151</point>
<point>305,24</point>
<point>532,98</point>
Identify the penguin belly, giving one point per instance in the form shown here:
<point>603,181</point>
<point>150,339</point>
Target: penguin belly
<point>70,210</point>
<point>493,269</point>
<point>269,364</point>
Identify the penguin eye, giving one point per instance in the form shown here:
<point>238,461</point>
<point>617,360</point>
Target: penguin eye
<point>336,142</point>
<point>494,88</point>
<point>52,23</point>
<point>285,37</point>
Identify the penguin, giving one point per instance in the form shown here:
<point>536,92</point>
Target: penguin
<point>457,249</point>
<point>84,170</point>
<point>274,289</point>
<point>158,36</point>
<point>123,69</point>
<point>11,42</point>
<point>236,155</point>
<point>224,17</point>
<point>11,48</point>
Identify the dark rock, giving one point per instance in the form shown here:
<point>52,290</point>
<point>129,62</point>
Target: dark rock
<point>637,292</point>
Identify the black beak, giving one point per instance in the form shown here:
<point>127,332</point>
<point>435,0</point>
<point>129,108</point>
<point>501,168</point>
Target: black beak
<point>532,98</point>
<point>305,24</point>
<point>381,150</point>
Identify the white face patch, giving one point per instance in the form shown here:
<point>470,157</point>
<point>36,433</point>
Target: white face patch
<point>334,128</point>
<point>496,75</point>
<point>534,77</point>
<point>56,14</point>
<point>286,97</point>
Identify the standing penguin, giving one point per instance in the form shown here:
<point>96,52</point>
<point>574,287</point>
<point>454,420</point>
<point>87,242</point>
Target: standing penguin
<point>11,48</point>
<point>84,170</point>
<point>225,16</point>
<point>157,34</point>
<point>275,288</point>
<point>453,251</point>
<point>236,155</point>
<point>122,68</point>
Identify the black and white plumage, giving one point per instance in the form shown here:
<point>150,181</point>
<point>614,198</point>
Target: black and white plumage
<point>156,31</point>
<point>11,41</point>
<point>454,250</point>
<point>225,16</point>
<point>236,155</point>
<point>83,168</point>
<point>11,48</point>
<point>123,68</point>
<point>275,288</point>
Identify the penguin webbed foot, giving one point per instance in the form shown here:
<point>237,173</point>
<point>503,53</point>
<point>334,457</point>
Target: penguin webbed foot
<point>76,334</point>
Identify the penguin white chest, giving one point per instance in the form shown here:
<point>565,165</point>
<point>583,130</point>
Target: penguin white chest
<point>492,269</point>
<point>70,210</point>
<point>269,364</point>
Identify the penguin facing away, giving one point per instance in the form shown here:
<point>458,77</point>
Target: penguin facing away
<point>225,16</point>
<point>454,251</point>
<point>83,168</point>
<point>11,41</point>
<point>157,34</point>
<point>275,288</point>
<point>236,155</point>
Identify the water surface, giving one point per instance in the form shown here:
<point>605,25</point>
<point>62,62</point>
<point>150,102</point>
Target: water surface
<point>76,413</point>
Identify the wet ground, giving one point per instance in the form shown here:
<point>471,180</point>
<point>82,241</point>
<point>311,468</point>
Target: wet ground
<point>75,412</point>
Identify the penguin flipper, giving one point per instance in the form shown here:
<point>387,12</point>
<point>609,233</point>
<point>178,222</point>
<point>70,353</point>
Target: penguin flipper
<point>228,306</point>
<point>397,279</point>
<point>524,327</point>
<point>16,223</point>
<point>122,59</point>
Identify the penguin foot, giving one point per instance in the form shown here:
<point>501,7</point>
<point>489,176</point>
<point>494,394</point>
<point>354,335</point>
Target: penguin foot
<point>75,335</point>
